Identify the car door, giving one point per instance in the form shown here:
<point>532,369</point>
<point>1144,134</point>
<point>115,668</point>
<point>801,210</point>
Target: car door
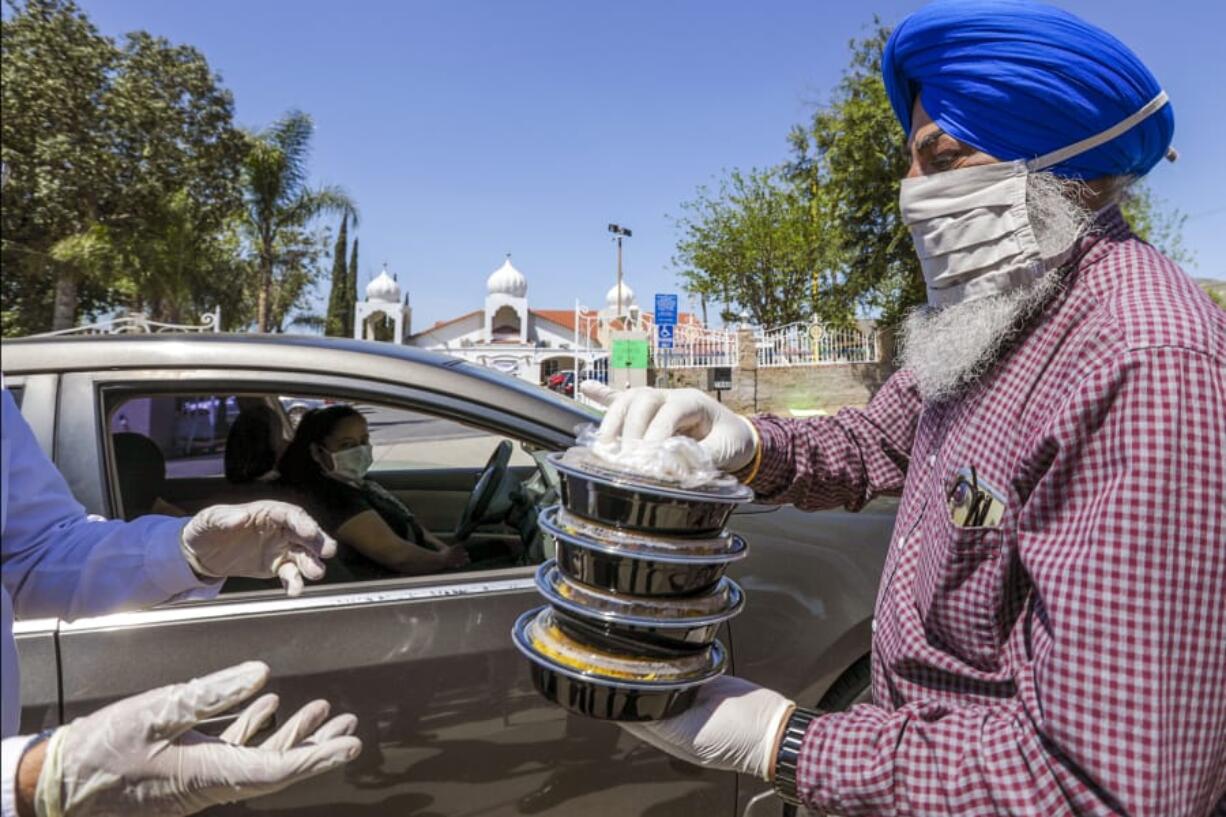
<point>450,722</point>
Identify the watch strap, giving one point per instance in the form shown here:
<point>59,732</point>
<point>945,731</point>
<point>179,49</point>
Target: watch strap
<point>788,754</point>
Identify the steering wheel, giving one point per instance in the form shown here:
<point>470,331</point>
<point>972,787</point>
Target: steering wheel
<point>488,486</point>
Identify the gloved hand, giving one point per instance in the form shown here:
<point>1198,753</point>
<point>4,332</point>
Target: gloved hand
<point>657,414</point>
<point>258,540</point>
<point>140,757</point>
<point>733,725</point>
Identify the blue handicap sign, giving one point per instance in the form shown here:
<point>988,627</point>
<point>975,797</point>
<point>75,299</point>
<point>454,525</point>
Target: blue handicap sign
<point>666,310</point>
<point>664,335</point>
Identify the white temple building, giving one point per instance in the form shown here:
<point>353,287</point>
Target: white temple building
<point>382,301</point>
<point>506,333</point>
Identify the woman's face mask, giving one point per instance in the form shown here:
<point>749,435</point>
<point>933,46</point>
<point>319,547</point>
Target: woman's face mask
<point>353,462</point>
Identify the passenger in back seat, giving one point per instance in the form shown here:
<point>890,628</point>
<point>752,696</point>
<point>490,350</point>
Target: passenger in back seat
<point>255,442</point>
<point>327,462</point>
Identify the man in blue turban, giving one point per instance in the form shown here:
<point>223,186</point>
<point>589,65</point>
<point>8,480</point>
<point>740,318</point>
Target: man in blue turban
<point>1049,636</point>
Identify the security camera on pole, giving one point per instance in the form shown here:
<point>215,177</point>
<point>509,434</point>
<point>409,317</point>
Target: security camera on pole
<point>629,347</point>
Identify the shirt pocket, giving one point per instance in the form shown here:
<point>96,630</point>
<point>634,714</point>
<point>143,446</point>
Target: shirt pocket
<point>959,590</point>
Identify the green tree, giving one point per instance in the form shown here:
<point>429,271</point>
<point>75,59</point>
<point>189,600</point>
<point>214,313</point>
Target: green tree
<point>820,235</point>
<point>753,245</point>
<point>338,300</point>
<point>853,155</point>
<point>106,150</point>
<point>1155,223</point>
<point>351,289</point>
<point>55,69</point>
<point>280,205</point>
<point>300,256</point>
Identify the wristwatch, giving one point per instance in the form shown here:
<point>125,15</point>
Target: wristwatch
<point>788,754</point>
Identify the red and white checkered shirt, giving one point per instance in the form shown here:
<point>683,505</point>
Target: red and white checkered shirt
<point>1070,659</point>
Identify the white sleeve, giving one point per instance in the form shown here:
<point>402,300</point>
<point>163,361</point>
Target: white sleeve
<point>11,750</point>
<point>58,562</point>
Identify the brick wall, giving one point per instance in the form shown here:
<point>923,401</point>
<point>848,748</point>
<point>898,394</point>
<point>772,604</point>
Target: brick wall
<point>778,389</point>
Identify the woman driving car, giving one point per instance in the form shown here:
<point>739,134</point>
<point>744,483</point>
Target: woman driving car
<point>327,461</point>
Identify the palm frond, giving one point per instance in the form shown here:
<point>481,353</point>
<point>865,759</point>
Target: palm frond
<point>291,134</point>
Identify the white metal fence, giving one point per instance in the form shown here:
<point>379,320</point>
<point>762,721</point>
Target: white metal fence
<point>811,344</point>
<point>695,346</point>
<point>137,323</point>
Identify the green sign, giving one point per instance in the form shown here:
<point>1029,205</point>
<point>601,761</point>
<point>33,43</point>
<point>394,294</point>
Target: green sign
<point>629,354</point>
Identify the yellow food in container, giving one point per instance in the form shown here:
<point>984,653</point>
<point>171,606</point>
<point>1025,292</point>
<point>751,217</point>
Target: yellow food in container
<point>549,640</point>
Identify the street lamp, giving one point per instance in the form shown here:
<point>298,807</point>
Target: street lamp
<point>620,232</point>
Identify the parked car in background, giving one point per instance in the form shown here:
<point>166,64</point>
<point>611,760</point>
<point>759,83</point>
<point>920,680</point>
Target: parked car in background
<point>296,407</point>
<point>449,718</point>
<point>563,382</point>
<point>202,423</point>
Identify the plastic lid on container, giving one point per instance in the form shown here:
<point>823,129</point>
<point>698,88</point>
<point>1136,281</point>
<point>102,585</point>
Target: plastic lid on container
<point>718,604</point>
<point>583,463</point>
<point>559,522</point>
<point>538,635</point>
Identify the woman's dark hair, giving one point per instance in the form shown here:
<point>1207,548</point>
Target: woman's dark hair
<point>297,466</point>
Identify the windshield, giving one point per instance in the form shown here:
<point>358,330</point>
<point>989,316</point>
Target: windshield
<point>525,387</point>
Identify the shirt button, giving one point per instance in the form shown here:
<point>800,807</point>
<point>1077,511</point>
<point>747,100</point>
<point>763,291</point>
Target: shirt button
<point>872,624</point>
<point>932,459</point>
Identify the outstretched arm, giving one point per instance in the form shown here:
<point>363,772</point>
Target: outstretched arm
<point>59,562</point>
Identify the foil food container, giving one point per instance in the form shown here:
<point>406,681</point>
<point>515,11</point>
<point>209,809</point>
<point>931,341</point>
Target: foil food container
<point>591,489</point>
<point>637,564</point>
<point>607,685</point>
<point>661,626</point>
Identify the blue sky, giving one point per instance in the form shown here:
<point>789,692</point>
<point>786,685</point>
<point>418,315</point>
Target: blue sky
<point>466,130</point>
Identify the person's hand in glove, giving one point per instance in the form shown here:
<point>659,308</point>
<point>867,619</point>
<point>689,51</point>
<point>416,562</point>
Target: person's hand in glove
<point>733,725</point>
<point>141,756</point>
<point>258,540</point>
<point>657,414</point>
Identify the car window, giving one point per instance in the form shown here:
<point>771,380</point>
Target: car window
<point>404,440</point>
<point>177,453</point>
<point>17,392</point>
<point>188,431</point>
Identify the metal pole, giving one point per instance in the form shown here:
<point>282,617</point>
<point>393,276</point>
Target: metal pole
<point>619,276</point>
<point>576,348</point>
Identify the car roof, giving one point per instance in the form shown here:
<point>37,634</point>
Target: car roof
<point>372,360</point>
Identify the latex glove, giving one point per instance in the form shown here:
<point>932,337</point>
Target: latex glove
<point>141,757</point>
<point>258,540</point>
<point>657,414</point>
<point>733,725</point>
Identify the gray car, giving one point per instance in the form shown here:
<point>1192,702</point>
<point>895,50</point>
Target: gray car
<point>449,718</point>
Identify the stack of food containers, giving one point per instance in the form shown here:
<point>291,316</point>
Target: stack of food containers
<point>636,594</point>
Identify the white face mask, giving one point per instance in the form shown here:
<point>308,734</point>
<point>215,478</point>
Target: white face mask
<point>972,229</point>
<point>353,462</point>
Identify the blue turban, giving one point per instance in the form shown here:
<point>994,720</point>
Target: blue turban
<point>1018,79</point>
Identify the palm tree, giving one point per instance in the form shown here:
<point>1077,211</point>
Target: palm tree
<point>278,200</point>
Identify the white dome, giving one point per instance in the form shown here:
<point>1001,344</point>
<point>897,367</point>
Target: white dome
<point>627,296</point>
<point>506,280</point>
<point>383,288</point>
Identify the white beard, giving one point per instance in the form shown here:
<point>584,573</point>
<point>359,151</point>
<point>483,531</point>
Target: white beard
<point>950,348</point>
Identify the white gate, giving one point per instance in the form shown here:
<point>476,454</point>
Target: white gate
<point>695,346</point>
<point>811,344</point>
<point>137,323</point>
